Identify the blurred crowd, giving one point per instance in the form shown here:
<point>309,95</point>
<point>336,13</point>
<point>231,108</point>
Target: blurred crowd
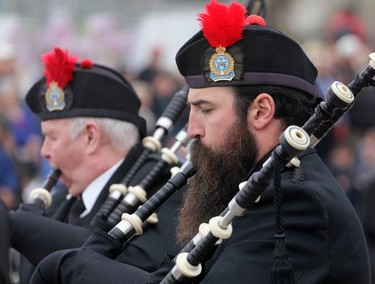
<point>348,149</point>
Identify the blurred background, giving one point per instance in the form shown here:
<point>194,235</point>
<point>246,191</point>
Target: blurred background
<point>125,33</point>
<point>140,39</point>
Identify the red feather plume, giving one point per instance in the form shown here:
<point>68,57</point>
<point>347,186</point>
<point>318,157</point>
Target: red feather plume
<point>222,25</point>
<point>59,67</point>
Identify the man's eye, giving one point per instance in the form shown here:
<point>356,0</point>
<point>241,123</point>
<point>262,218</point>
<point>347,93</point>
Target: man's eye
<point>50,138</point>
<point>206,110</point>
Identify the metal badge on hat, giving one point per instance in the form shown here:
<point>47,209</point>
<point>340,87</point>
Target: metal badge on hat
<point>55,97</point>
<point>59,67</point>
<point>221,65</point>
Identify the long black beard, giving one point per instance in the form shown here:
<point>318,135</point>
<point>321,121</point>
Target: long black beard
<point>217,179</point>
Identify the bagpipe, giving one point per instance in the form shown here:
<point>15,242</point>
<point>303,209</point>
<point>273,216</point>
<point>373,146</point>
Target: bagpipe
<point>293,142</point>
<point>40,198</point>
<point>131,224</point>
<point>137,195</point>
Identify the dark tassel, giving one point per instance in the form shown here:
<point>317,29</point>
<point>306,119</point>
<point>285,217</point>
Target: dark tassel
<point>282,271</point>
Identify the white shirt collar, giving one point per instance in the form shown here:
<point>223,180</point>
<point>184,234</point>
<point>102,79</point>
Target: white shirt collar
<point>91,193</point>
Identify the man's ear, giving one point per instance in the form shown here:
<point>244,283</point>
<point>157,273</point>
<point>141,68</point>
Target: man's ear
<point>261,111</point>
<point>92,136</point>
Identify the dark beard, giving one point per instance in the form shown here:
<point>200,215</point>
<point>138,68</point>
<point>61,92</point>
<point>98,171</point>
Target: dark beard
<point>217,179</point>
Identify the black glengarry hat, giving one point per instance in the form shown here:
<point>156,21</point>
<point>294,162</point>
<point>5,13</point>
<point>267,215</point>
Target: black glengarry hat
<point>232,49</point>
<point>69,89</point>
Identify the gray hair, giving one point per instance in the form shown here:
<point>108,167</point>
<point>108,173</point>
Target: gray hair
<point>122,134</point>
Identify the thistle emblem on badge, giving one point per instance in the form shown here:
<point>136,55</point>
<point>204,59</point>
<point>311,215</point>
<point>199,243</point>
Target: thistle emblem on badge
<point>55,97</point>
<point>221,65</point>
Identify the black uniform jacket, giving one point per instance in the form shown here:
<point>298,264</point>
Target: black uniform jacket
<point>366,212</point>
<point>36,236</point>
<point>324,239</point>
